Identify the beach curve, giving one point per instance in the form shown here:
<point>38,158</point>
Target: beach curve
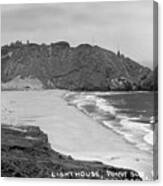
<point>75,133</point>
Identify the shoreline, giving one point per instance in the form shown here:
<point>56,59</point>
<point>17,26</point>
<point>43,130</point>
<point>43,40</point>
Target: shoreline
<point>76,130</point>
<point>27,146</point>
<point>112,114</point>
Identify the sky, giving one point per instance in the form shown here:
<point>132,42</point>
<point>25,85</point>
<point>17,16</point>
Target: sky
<point>125,26</point>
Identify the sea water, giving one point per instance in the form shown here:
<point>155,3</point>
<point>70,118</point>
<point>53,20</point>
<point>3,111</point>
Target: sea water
<point>132,115</point>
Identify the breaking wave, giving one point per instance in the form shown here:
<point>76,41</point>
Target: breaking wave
<point>133,129</point>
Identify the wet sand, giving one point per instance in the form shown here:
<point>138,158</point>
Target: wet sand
<point>71,132</point>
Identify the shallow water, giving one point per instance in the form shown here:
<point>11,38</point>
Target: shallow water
<point>129,114</point>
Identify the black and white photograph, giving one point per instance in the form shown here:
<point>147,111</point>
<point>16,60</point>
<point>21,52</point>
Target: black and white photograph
<point>79,90</point>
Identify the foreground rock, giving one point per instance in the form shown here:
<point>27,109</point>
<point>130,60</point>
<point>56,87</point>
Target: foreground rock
<point>25,152</point>
<point>59,65</point>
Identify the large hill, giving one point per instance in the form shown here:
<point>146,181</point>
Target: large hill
<point>59,65</point>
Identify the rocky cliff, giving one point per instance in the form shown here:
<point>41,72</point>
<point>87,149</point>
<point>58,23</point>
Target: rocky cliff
<point>25,152</point>
<point>84,67</point>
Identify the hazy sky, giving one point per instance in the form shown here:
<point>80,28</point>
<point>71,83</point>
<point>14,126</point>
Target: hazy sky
<point>127,26</point>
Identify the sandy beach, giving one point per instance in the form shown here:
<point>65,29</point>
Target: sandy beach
<point>70,131</point>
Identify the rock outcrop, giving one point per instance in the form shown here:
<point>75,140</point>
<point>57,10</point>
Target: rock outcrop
<point>25,152</point>
<point>84,67</point>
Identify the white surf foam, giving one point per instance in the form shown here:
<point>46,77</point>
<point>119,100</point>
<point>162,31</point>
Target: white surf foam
<point>149,138</point>
<point>103,105</point>
<point>137,133</point>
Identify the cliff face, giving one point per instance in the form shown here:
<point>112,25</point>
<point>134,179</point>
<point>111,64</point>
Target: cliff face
<point>84,67</point>
<point>25,152</point>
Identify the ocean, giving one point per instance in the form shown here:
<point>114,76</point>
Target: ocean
<point>115,128</point>
<point>132,115</point>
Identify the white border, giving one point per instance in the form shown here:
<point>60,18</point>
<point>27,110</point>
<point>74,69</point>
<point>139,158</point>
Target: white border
<point>41,182</point>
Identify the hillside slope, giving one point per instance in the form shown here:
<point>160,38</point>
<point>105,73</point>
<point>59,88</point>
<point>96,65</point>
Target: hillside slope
<point>84,67</point>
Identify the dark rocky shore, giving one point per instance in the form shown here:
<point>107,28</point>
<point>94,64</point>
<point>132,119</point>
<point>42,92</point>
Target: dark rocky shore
<point>25,152</point>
